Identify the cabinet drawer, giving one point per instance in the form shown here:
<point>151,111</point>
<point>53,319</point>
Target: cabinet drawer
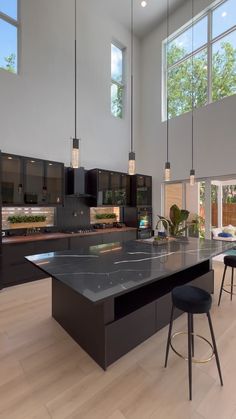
<point>14,253</point>
<point>50,246</point>
<point>19,273</point>
<point>80,242</point>
<point>128,332</point>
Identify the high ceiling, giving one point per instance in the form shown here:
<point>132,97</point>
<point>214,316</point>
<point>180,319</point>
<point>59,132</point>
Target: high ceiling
<point>145,19</point>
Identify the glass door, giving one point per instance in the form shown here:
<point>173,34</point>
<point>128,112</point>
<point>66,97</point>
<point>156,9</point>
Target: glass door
<point>35,189</point>
<point>12,180</point>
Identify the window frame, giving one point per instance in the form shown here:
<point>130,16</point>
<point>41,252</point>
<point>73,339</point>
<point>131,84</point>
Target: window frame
<point>208,46</point>
<point>121,84</point>
<point>16,24</point>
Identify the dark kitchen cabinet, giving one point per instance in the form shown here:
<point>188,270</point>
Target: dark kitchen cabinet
<point>80,242</point>
<point>31,181</point>
<point>12,179</point>
<point>54,182</point>
<point>141,190</point>
<point>16,269</point>
<point>108,187</point>
<point>34,182</point>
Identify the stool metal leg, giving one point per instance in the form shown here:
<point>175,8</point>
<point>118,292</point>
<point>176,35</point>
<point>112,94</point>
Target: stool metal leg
<point>190,354</point>
<point>215,347</point>
<point>169,335</point>
<point>232,284</point>
<point>222,284</point>
<point>192,335</point>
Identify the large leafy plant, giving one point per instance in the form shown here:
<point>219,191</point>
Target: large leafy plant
<point>176,221</point>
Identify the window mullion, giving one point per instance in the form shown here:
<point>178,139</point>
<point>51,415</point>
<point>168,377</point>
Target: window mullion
<point>209,58</point>
<point>9,19</point>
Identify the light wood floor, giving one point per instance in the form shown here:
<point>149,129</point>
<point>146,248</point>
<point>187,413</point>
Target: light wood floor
<point>45,374</point>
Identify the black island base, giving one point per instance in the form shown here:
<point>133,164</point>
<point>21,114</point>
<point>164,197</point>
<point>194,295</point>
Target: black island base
<point>112,297</point>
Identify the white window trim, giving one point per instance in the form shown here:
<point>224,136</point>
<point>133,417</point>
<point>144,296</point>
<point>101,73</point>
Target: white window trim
<point>210,41</point>
<point>16,23</point>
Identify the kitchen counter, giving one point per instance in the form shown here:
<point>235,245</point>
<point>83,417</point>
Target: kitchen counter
<point>53,236</point>
<point>105,271</point>
<point>111,297</point>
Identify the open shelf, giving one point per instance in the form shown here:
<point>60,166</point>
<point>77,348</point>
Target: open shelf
<point>132,301</point>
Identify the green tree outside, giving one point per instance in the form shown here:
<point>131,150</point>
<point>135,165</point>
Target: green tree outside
<point>10,63</point>
<point>187,82</point>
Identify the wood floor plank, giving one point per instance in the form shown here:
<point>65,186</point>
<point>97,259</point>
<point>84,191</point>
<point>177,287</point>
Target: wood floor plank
<point>46,375</point>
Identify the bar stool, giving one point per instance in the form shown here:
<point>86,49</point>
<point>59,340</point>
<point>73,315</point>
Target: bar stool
<point>231,262</point>
<point>192,300</point>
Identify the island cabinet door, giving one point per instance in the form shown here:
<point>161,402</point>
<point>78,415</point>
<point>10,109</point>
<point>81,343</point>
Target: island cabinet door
<point>129,331</point>
<point>163,311</point>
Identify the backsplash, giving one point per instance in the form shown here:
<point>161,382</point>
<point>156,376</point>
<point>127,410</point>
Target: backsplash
<point>48,212</point>
<point>73,214</point>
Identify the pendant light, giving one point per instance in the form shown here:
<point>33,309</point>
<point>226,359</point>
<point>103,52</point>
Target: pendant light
<point>192,171</point>
<point>132,162</point>
<point>167,174</point>
<point>75,152</point>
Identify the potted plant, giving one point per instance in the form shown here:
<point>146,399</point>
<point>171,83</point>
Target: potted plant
<point>108,218</point>
<point>196,227</point>
<point>27,221</point>
<point>176,221</point>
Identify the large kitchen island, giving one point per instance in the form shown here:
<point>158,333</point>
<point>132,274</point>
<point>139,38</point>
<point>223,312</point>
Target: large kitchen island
<point>112,297</point>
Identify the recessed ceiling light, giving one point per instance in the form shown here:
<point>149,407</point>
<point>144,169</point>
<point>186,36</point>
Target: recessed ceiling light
<point>143,3</point>
<point>224,14</point>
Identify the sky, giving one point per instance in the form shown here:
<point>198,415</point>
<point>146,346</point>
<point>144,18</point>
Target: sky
<point>8,33</point>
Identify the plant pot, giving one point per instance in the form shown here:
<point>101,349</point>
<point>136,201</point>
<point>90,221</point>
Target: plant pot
<point>106,220</point>
<point>28,225</point>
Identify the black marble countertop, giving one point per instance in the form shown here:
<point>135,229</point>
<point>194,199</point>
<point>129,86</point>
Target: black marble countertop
<point>108,270</point>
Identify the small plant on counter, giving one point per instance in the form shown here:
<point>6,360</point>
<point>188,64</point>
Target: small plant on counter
<point>17,219</point>
<point>177,218</point>
<point>105,216</point>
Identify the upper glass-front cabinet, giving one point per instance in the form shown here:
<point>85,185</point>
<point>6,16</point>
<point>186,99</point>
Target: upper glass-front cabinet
<point>31,181</point>
<point>34,188</point>
<point>12,179</point>
<point>54,182</point>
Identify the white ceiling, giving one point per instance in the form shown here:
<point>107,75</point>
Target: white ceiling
<point>145,19</point>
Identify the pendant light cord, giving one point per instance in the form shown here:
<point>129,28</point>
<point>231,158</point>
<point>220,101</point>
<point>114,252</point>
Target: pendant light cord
<point>167,89</point>
<point>192,80</point>
<point>132,78</point>
<point>75,71</point>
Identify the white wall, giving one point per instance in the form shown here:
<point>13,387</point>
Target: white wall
<point>37,106</point>
<point>214,125</point>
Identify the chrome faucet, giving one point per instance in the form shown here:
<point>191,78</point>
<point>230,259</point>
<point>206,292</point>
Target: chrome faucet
<point>165,224</point>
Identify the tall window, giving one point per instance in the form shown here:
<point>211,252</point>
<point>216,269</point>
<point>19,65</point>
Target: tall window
<point>117,81</point>
<point>203,67</point>
<point>9,25</point>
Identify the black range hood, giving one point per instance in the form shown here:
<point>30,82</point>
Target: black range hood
<point>75,182</point>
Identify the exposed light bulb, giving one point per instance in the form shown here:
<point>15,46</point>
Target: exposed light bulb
<point>143,3</point>
<point>75,154</point>
<point>192,177</point>
<point>132,164</point>
<point>167,172</point>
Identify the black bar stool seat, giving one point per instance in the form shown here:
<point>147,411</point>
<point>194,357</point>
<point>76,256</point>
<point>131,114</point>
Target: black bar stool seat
<point>192,300</point>
<point>229,261</point>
